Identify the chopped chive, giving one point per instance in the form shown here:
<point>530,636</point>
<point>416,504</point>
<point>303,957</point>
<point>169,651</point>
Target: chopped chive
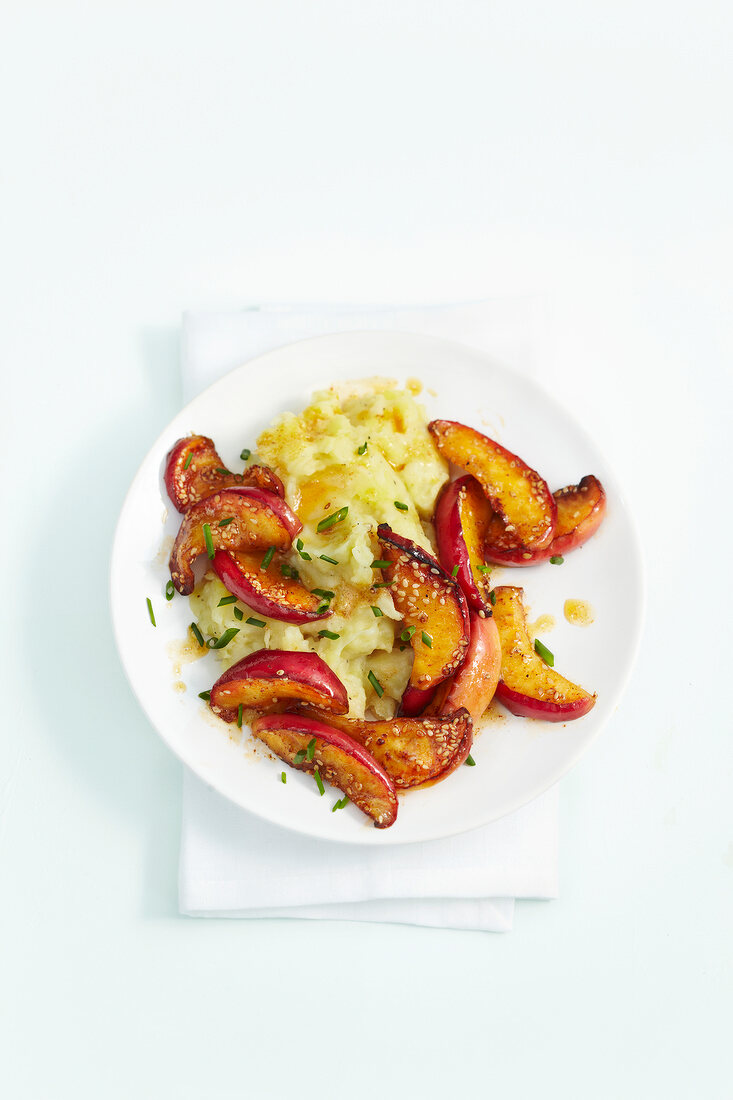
<point>283,777</point>
<point>469,761</point>
<point>205,695</point>
<point>546,654</point>
<point>402,507</point>
<point>245,454</point>
<point>310,749</point>
<point>323,593</point>
<point>238,613</point>
<point>379,563</point>
<point>325,557</point>
<point>427,640</point>
<point>197,634</point>
<point>341,804</point>
<point>221,470</point>
<point>319,781</point>
<point>187,463</point>
<point>407,633</point>
<point>377,612</point>
<point>557,559</point>
<point>251,621</point>
<point>151,613</point>
<point>240,709</point>
<point>288,571</point>
<point>225,638</point>
<point>484,568</point>
<point>298,544</point>
<point>454,571</point>
<point>383,584</point>
<point>375,684</point>
<point>169,591</point>
<point>362,449</point>
<point>492,597</point>
<point>299,757</point>
<point>267,558</point>
<point>403,648</point>
<point>209,541</point>
<point>225,522</point>
<point>322,607</point>
<point>328,634</point>
<point>226,600</point>
<point>335,517</point>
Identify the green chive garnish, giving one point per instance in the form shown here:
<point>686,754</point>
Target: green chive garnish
<point>150,612</point>
<point>226,600</point>
<point>547,655</point>
<point>557,559</point>
<point>251,621</point>
<point>323,593</point>
<point>335,517</point>
<point>238,613</point>
<point>378,563</point>
<point>311,749</point>
<point>484,568</point>
<point>328,634</point>
<point>319,781</point>
<point>375,684</point>
<point>221,470</point>
<point>169,591</point>
<point>267,559</point>
<point>377,612</point>
<point>187,463</point>
<point>298,544</point>
<point>382,584</point>
<point>303,553</point>
<point>469,761</point>
<point>321,608</point>
<point>407,633</point>
<point>402,507</point>
<point>427,640</point>
<point>362,449</point>
<point>197,634</point>
<point>205,695</point>
<point>209,541</point>
<point>340,805</point>
<point>454,571</point>
<point>225,638</point>
<point>492,598</point>
<point>225,522</point>
<point>325,557</point>
<point>283,777</point>
<point>240,709</point>
<point>299,757</point>
<point>245,454</point>
<point>288,571</point>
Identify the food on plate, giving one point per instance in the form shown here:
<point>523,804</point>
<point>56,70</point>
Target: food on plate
<point>194,470</point>
<point>528,685</point>
<point>580,512</point>
<point>381,641</point>
<point>333,757</point>
<point>271,676</point>
<point>517,492</point>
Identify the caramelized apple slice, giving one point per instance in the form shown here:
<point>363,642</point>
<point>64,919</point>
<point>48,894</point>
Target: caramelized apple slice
<point>528,686</point>
<point>193,471</point>
<point>580,512</point>
<point>432,605</point>
<point>235,520</point>
<point>267,591</point>
<point>474,685</point>
<point>281,509</point>
<point>340,760</point>
<point>412,751</point>
<point>517,492</point>
<point>462,518</point>
<point>274,675</point>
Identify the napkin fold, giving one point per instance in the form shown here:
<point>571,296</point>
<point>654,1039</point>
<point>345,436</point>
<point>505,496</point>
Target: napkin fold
<point>233,864</point>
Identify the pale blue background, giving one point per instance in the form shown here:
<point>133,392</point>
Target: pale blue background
<point>163,156</point>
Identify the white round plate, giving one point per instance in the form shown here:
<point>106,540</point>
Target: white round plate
<point>516,758</point>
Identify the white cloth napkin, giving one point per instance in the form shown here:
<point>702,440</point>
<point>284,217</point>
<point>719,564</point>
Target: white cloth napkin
<point>235,865</point>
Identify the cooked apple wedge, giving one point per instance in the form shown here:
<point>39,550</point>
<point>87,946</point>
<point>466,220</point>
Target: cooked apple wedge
<point>528,686</point>
<point>474,685</point>
<point>194,470</point>
<point>517,492</point>
<point>433,607</point>
<point>580,512</point>
<point>309,745</point>
<point>271,676</point>
<point>230,520</point>
<point>412,751</point>
<point>462,518</point>
<point>267,591</point>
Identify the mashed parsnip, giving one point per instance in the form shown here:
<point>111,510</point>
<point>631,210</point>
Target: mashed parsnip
<point>321,456</point>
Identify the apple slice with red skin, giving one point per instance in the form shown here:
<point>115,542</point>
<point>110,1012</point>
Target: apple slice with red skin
<point>267,591</point>
<point>341,761</point>
<point>474,685</point>
<point>271,676</point>
<point>528,686</point>
<point>194,470</point>
<point>580,512</point>
<point>516,492</point>
<point>431,604</point>
<point>412,751</point>
<point>461,520</point>
<point>237,520</point>
<point>280,507</point>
